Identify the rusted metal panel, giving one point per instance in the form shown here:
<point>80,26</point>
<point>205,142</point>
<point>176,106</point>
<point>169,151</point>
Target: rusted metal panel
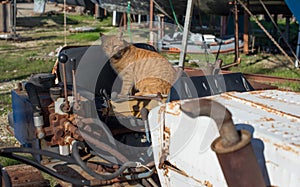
<point>26,176</point>
<point>272,116</point>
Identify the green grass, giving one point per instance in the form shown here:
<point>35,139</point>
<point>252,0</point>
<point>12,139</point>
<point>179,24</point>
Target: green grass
<point>4,161</point>
<point>266,64</point>
<point>20,67</point>
<point>5,103</point>
<point>42,35</point>
<point>8,161</point>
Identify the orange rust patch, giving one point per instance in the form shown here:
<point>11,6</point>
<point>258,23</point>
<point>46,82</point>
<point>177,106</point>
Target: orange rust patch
<point>272,126</point>
<point>286,148</point>
<point>208,184</point>
<point>161,109</point>
<point>297,145</point>
<point>173,105</point>
<point>167,130</point>
<point>267,119</point>
<point>173,108</point>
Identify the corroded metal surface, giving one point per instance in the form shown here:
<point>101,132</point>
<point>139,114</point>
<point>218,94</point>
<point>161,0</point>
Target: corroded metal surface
<point>26,176</point>
<point>271,116</point>
<point>239,164</point>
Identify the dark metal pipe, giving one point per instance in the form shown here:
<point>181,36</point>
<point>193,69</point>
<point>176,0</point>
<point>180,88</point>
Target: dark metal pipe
<point>75,181</point>
<point>238,163</point>
<point>233,148</point>
<point>63,59</point>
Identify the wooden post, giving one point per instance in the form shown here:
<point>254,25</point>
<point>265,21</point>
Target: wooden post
<point>124,21</point>
<point>98,14</point>
<point>151,34</point>
<point>187,23</point>
<point>151,15</point>
<point>161,26</point>
<point>236,33</point>
<point>246,32</point>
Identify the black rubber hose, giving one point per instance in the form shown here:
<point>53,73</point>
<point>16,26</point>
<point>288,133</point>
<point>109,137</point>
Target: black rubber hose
<point>6,180</point>
<point>80,182</point>
<point>82,164</point>
<point>67,159</point>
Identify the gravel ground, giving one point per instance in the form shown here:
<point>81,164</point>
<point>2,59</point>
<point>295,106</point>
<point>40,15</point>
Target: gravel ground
<point>6,135</point>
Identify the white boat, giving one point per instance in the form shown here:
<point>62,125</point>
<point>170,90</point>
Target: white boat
<point>199,43</point>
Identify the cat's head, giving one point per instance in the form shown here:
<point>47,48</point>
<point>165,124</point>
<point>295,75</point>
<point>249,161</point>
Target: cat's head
<point>112,44</point>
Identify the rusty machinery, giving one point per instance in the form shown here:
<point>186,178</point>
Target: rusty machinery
<point>55,121</point>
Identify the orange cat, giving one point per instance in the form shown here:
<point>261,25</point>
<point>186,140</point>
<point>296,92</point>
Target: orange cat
<point>146,71</point>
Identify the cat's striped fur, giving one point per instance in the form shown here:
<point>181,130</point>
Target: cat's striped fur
<point>146,71</point>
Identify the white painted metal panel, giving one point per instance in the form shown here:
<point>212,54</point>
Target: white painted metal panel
<point>272,116</point>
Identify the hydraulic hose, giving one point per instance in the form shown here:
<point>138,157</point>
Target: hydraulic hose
<point>82,164</point>
<point>88,136</point>
<point>6,180</point>
<point>80,182</point>
<point>67,159</point>
<point>140,175</point>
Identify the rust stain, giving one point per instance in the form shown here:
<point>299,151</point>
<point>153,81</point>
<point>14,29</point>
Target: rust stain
<point>293,120</point>
<point>265,139</point>
<point>174,168</point>
<point>167,130</point>
<point>166,171</point>
<point>265,107</point>
<point>160,112</point>
<point>286,148</point>
<point>173,108</point>
<point>208,184</point>
<point>267,119</point>
<point>173,105</point>
<point>162,109</point>
<point>226,97</point>
<point>297,145</point>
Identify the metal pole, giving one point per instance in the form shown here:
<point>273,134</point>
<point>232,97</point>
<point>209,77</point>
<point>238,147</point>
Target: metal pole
<point>65,23</point>
<point>15,18</point>
<point>139,19</point>
<point>114,19</point>
<point>187,22</point>
<point>246,32</point>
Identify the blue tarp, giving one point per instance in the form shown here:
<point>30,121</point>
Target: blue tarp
<point>294,6</point>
